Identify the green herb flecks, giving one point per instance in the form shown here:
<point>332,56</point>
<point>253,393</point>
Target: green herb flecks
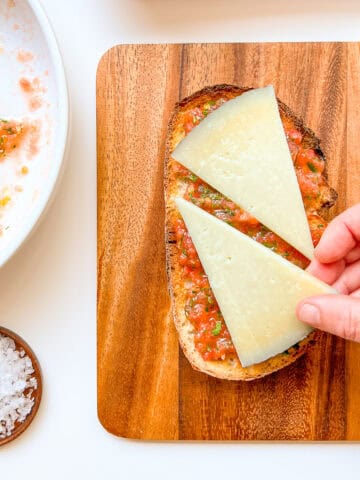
<point>311,167</point>
<point>192,198</point>
<point>216,331</point>
<point>229,211</point>
<point>271,245</point>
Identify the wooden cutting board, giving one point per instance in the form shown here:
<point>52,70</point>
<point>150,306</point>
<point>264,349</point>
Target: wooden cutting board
<point>146,387</point>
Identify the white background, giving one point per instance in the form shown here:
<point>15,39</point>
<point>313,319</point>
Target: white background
<point>48,290</point>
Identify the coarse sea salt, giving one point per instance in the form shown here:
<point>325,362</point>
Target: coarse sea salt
<point>17,385</point>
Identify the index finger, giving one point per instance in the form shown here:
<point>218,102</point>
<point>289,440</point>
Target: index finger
<point>340,237</point>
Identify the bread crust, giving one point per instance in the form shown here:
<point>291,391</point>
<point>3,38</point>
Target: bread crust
<point>229,369</point>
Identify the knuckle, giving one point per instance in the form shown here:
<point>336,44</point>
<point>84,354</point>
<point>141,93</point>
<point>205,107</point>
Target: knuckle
<point>352,326</point>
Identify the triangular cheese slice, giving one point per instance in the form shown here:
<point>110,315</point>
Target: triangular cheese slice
<point>256,289</point>
<point>241,150</point>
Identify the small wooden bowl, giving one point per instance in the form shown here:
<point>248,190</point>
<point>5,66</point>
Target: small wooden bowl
<point>21,344</point>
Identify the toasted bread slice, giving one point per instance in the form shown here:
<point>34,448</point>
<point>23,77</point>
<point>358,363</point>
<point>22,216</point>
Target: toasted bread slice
<point>228,368</point>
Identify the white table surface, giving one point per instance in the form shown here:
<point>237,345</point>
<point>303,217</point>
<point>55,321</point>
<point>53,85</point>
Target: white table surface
<point>48,290</point>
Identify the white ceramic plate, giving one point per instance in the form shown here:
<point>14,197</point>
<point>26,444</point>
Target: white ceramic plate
<point>29,53</point>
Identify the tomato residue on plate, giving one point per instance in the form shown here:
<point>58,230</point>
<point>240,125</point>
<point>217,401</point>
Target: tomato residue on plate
<point>24,56</point>
<point>21,139</point>
<point>11,136</point>
<point>212,338</point>
<point>33,89</point>
<point>34,138</point>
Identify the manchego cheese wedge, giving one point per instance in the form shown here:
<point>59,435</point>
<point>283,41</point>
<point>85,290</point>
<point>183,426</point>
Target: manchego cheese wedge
<point>240,149</point>
<point>256,289</point>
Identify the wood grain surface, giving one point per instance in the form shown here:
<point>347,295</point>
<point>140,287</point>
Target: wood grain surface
<point>146,387</point>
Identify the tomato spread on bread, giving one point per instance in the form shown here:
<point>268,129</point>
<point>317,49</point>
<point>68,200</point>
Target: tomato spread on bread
<point>212,339</point>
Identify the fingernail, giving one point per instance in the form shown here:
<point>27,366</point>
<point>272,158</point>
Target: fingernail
<point>309,314</point>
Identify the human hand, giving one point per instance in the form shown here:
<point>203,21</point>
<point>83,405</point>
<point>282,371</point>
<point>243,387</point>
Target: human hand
<point>337,262</point>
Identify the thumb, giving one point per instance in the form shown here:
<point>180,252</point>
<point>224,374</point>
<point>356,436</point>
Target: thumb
<point>337,314</point>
